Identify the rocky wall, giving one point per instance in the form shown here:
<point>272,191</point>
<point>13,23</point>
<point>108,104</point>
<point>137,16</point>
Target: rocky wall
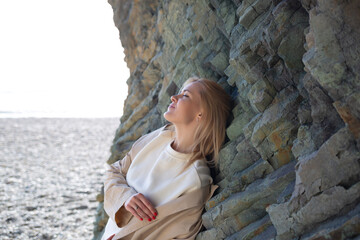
<point>290,166</point>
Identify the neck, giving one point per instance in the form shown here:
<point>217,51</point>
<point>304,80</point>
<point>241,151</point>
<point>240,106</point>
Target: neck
<point>184,139</point>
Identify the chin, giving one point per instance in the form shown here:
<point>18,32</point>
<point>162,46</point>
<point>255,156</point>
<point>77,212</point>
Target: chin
<point>169,117</point>
<point>166,116</point>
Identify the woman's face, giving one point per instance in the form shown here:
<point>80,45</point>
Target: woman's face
<point>185,107</point>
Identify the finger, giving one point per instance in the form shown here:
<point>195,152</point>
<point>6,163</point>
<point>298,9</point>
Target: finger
<point>131,207</point>
<point>111,237</point>
<point>148,204</point>
<point>135,213</point>
<point>147,209</point>
<point>143,210</point>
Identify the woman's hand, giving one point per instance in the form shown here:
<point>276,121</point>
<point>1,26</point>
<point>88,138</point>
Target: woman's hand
<point>140,207</point>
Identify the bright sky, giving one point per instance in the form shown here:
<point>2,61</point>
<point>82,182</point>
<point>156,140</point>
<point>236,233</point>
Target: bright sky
<point>61,58</point>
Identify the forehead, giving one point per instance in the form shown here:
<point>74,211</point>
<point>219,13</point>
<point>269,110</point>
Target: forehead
<point>193,87</point>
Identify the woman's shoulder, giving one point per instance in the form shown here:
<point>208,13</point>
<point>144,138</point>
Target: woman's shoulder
<point>203,172</point>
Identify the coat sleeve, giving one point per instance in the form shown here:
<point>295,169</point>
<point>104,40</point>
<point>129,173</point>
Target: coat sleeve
<point>117,191</point>
<point>116,188</point>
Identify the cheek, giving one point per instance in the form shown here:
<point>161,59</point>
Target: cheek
<point>189,112</point>
<point>191,109</point>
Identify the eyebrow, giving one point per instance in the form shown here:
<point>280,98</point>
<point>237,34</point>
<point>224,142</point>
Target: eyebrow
<point>185,90</point>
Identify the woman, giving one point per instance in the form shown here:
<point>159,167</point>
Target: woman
<point>158,190</point>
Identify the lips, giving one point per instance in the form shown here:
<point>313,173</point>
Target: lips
<point>171,106</point>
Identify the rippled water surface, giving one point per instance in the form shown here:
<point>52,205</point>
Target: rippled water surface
<point>50,173</point>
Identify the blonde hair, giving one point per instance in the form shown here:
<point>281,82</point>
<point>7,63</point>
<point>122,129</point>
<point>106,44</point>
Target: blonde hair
<point>210,134</point>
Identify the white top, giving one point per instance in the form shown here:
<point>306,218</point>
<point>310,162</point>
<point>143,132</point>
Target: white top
<point>157,171</point>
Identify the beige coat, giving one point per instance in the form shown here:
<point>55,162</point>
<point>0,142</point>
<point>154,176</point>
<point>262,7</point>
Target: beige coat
<point>177,219</point>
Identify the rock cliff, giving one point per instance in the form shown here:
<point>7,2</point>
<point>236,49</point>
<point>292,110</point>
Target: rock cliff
<point>290,167</point>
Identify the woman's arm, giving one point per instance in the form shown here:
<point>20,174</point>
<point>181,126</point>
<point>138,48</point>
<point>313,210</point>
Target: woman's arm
<point>117,191</point>
<point>122,201</point>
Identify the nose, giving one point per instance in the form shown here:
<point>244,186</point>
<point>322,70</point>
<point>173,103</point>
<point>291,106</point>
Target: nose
<point>173,98</point>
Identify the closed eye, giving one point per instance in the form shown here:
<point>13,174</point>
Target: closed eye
<point>183,92</point>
